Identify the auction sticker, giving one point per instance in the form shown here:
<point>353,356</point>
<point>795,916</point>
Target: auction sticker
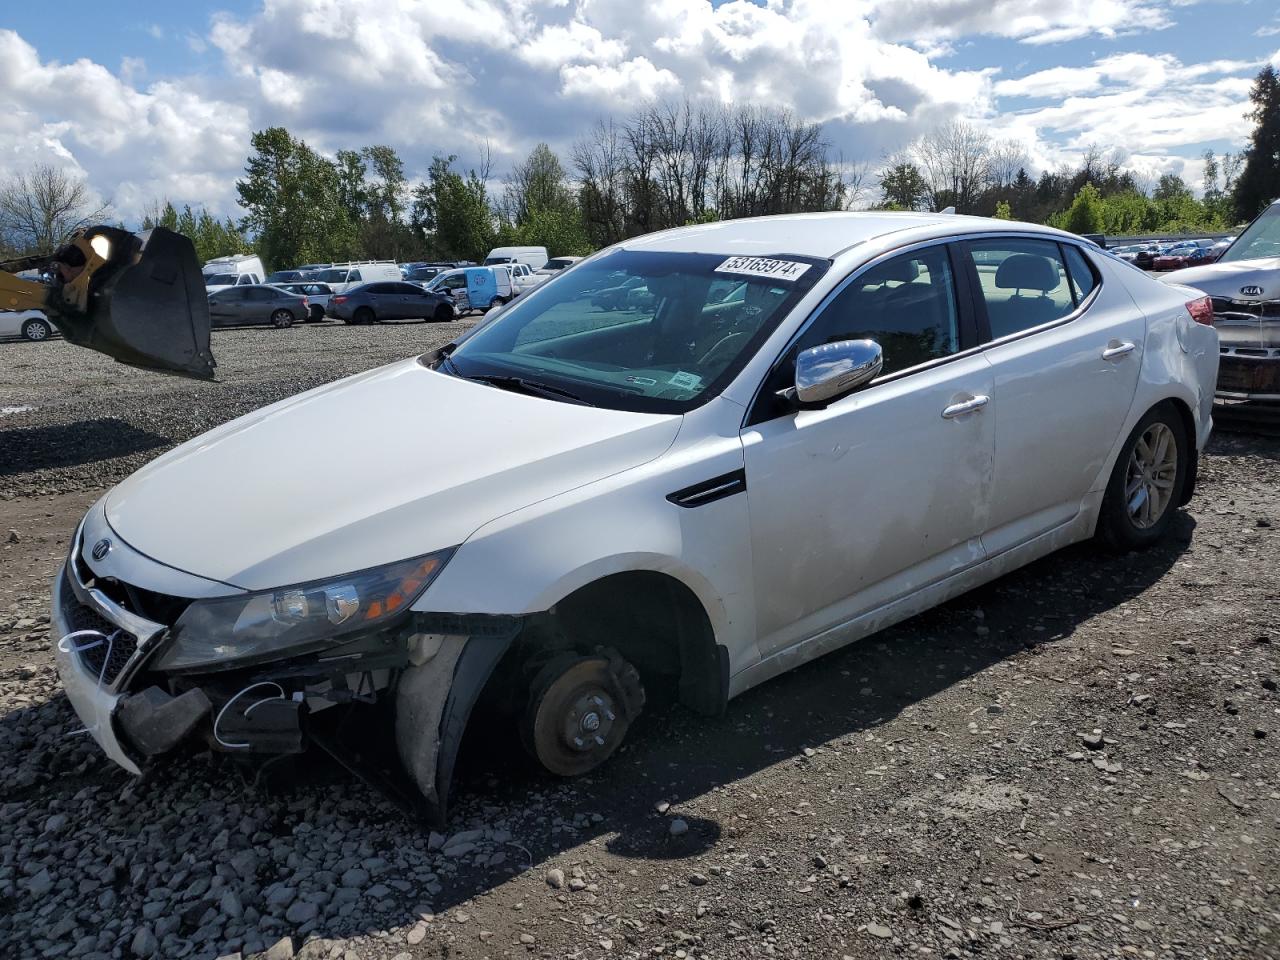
<point>789,270</point>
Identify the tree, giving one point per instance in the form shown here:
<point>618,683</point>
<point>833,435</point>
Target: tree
<point>1085,213</point>
<point>452,212</point>
<point>903,186</point>
<point>956,161</point>
<point>41,207</point>
<point>294,201</point>
<point>1003,211</point>
<point>1170,188</point>
<point>1259,181</point>
<point>537,184</point>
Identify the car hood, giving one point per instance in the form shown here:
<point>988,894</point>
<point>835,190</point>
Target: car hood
<point>389,464</point>
<point>1228,279</point>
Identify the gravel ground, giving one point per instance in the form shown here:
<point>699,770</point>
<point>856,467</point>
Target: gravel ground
<point>1077,761</point>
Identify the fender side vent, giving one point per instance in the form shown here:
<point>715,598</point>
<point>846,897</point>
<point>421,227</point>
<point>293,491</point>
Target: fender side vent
<point>708,491</point>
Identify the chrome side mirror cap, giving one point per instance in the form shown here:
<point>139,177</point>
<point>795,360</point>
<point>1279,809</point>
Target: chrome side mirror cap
<point>831,370</point>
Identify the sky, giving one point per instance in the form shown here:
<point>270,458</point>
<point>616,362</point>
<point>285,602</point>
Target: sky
<point>155,101</point>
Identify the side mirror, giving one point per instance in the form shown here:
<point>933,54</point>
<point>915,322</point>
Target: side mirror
<point>830,370</point>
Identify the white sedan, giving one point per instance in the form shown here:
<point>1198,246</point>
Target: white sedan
<point>795,432</point>
<point>28,324</point>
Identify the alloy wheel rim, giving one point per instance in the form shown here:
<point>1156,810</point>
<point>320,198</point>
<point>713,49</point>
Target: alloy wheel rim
<point>37,331</point>
<point>1153,467</point>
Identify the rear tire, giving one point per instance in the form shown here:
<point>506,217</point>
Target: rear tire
<point>36,329</point>
<point>1146,484</point>
<point>317,314</point>
<point>364,316</point>
<point>282,319</point>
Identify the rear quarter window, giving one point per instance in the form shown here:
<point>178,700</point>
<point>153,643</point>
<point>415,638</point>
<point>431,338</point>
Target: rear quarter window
<point>1083,274</point>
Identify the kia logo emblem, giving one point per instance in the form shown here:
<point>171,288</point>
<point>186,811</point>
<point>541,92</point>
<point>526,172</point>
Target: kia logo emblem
<point>1251,291</point>
<point>101,549</point>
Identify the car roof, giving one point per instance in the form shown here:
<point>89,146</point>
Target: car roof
<point>820,234</point>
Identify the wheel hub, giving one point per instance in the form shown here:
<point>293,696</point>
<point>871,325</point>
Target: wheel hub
<point>589,721</point>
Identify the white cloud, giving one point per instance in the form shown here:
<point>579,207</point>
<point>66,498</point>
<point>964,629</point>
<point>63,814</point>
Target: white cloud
<point>1032,21</point>
<point>430,77</point>
<point>169,139</point>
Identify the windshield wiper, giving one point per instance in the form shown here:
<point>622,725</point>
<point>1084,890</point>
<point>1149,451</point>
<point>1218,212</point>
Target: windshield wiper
<point>531,387</point>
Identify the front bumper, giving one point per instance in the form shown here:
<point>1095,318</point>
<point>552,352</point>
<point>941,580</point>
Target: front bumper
<point>1249,335</point>
<point>1254,375</point>
<point>91,698</point>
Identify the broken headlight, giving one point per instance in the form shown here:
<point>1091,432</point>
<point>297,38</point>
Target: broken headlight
<point>251,627</point>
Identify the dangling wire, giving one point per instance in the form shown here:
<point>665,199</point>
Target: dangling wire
<point>253,686</point>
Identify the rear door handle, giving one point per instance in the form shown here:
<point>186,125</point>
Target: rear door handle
<point>1118,351</point>
<point>965,406</point>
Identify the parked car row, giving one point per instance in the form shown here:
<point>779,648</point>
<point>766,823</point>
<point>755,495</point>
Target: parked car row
<point>1163,255</point>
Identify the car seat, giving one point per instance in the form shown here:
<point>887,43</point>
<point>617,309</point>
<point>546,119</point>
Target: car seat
<point>1019,272</point>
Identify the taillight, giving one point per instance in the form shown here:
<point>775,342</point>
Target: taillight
<point>306,304</point>
<point>339,299</point>
<point>1201,310</point>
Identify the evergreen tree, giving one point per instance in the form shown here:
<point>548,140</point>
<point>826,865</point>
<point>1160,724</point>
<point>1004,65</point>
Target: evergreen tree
<point>1259,182</point>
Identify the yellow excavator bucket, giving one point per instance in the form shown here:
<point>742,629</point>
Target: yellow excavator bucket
<point>146,303</point>
<point>138,298</point>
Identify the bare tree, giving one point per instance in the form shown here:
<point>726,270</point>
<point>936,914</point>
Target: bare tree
<point>600,163</point>
<point>41,207</point>
<point>955,159</point>
<point>1007,157</point>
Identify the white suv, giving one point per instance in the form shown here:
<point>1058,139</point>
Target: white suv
<point>790,433</point>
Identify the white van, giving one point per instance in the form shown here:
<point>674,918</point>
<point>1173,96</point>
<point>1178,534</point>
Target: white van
<point>341,277</point>
<point>237,270</point>
<point>535,257</point>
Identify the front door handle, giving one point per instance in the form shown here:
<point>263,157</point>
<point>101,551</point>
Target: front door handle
<point>965,406</point>
<point>1117,350</point>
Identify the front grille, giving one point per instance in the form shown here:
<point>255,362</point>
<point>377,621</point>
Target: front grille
<point>1224,308</point>
<point>103,657</point>
<point>156,607</point>
<point>1240,374</point>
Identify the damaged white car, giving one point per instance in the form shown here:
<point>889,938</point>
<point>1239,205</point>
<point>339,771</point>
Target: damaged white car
<point>798,430</point>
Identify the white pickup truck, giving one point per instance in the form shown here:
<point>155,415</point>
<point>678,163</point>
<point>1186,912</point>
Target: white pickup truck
<point>523,277</point>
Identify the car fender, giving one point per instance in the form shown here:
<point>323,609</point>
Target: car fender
<point>1179,362</point>
<point>527,561</point>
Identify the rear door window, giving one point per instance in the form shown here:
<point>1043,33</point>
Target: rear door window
<point>1022,282</point>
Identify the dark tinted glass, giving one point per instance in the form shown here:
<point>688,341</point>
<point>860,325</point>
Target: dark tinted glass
<point>907,305</point>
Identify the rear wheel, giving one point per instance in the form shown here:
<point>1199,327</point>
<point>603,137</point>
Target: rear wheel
<point>1146,483</point>
<point>317,313</point>
<point>281,319</point>
<point>36,329</point>
<point>579,711</point>
<point>364,316</point>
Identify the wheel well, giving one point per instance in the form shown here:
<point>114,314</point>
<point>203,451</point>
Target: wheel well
<point>651,619</point>
<point>1193,460</point>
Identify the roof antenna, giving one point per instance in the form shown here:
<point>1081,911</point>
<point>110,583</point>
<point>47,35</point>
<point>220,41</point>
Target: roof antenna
<point>946,210</point>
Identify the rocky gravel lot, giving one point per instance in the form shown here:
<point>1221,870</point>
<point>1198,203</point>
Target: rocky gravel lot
<point>1077,761</point>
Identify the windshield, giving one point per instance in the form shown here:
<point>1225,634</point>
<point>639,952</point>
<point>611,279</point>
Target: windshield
<point>221,279</point>
<point>658,332</point>
<point>1261,239</point>
<point>556,263</point>
<point>331,276</point>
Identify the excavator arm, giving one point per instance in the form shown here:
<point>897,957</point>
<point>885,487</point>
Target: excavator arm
<point>139,299</point>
